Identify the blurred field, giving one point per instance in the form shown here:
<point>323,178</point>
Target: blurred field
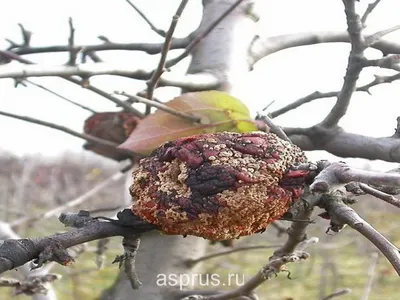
<point>340,261</point>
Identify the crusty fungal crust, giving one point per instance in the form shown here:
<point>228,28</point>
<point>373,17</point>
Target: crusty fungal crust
<point>218,186</point>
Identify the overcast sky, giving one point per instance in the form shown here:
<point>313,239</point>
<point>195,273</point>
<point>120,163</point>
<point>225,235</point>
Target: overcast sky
<point>282,77</point>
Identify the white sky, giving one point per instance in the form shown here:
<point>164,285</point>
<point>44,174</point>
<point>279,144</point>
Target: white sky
<point>283,77</point>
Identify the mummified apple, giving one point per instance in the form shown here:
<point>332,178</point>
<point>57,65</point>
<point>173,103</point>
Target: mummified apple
<point>218,186</point>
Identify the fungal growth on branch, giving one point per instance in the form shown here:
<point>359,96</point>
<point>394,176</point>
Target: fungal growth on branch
<point>111,126</point>
<point>218,186</point>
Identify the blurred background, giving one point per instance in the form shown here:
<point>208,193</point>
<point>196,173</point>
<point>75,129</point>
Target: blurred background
<point>41,168</point>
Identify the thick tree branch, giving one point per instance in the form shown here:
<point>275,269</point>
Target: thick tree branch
<point>14,253</point>
<point>344,144</point>
<point>354,66</point>
<point>264,46</point>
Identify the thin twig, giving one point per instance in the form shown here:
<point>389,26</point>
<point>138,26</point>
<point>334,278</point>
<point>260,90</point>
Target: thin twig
<point>84,136</point>
<point>16,252</point>
<point>60,96</point>
<point>273,127</point>
<point>200,36</point>
<point>81,83</point>
<point>26,35</point>
<point>379,194</point>
<point>192,262</point>
<point>153,82</point>
<point>154,28</point>
<point>377,36</point>
<point>319,95</point>
<point>371,275</point>
<point>343,214</point>
<point>71,43</point>
<point>368,11</point>
<point>186,116</point>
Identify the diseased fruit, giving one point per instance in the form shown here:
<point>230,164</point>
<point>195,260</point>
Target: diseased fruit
<point>218,186</point>
<point>111,126</point>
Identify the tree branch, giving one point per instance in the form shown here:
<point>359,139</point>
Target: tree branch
<point>354,66</point>
<point>264,46</point>
<point>344,144</point>
<point>319,95</point>
<point>149,48</point>
<point>60,96</point>
<point>81,83</point>
<point>14,253</point>
<point>155,77</point>
<point>154,28</point>
<point>341,214</point>
<point>84,136</point>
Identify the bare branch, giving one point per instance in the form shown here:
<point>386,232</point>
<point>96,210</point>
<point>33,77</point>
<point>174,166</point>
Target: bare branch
<point>71,43</point>
<point>59,96</point>
<point>264,46</point>
<point>339,173</point>
<point>374,38</point>
<point>128,259</point>
<point>30,286</point>
<point>81,83</point>
<point>368,11</point>
<point>14,253</point>
<point>341,214</point>
<point>192,262</point>
<point>201,81</point>
<point>354,67</point>
<point>26,35</point>
<point>155,77</point>
<point>345,144</point>
<point>149,48</point>
<point>379,194</point>
<point>154,28</point>
<point>273,127</point>
<point>319,95</point>
<point>84,136</point>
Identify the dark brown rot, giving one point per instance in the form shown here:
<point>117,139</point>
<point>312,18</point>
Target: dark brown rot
<point>218,186</point>
<point>112,126</point>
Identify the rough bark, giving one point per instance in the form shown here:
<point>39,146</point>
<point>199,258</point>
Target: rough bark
<point>224,53</point>
<point>24,272</point>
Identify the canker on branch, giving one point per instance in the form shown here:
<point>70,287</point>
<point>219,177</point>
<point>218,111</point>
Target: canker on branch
<point>218,186</point>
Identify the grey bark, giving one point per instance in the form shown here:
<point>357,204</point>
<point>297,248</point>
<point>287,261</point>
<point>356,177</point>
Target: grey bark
<point>24,272</point>
<point>224,53</point>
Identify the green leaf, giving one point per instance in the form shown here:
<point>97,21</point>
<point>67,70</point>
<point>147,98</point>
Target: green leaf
<point>217,110</point>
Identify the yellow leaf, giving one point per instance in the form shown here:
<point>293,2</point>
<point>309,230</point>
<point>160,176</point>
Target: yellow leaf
<point>217,110</point>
